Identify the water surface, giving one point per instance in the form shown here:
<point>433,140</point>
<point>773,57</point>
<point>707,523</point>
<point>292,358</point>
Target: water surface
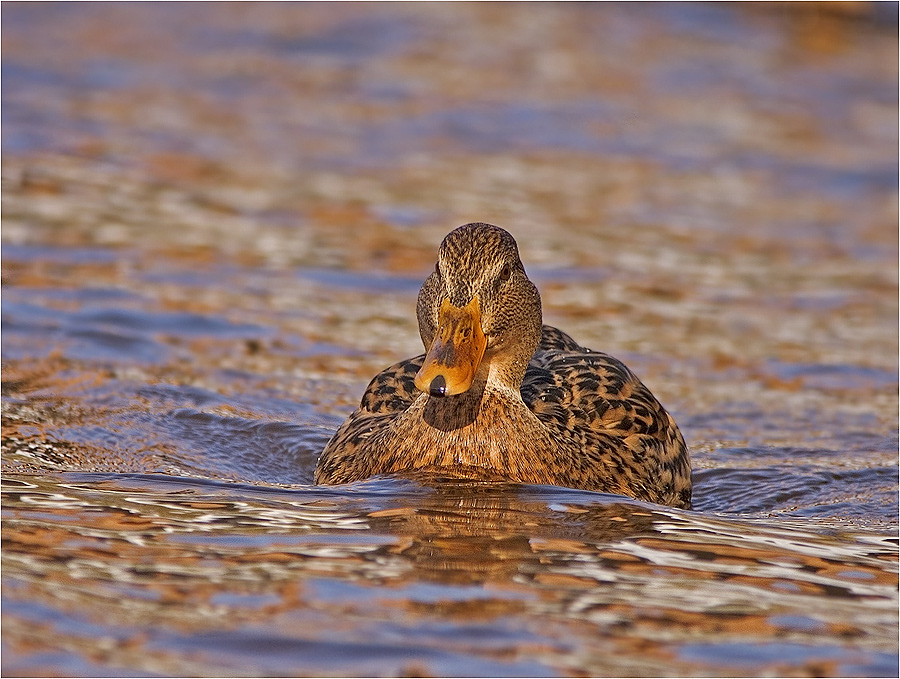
<point>215,222</point>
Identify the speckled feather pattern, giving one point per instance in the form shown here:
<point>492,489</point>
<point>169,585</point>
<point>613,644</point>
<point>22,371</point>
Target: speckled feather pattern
<point>595,426</point>
<point>541,408</point>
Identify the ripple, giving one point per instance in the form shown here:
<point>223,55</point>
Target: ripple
<point>426,571</point>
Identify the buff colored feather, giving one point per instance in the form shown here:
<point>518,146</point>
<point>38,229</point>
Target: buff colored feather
<point>539,408</point>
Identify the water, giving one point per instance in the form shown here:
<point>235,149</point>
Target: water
<point>215,222</point>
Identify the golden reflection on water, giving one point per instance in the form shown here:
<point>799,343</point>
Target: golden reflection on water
<point>506,564</point>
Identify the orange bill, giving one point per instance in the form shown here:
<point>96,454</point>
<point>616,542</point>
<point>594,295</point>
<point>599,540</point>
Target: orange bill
<point>455,353</point>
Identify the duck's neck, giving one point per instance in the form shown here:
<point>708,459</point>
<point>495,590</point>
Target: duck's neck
<point>450,413</point>
<point>481,425</point>
<point>487,427</point>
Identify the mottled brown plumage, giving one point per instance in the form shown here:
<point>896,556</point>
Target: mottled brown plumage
<point>528,403</point>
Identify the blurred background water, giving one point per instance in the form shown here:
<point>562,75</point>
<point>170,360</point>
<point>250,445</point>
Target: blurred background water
<point>215,220</point>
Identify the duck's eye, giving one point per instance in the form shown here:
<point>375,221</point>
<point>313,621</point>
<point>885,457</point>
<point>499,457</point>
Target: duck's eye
<point>505,273</point>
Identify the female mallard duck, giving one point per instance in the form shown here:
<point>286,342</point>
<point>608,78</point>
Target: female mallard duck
<point>498,395</point>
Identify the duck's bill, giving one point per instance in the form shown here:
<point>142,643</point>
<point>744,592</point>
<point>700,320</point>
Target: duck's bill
<point>456,352</point>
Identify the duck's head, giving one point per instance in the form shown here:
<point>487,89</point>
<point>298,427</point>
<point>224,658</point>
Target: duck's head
<point>479,315</point>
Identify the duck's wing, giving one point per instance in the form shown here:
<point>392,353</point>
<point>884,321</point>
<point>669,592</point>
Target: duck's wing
<point>390,392</point>
<point>613,426</point>
<point>393,389</point>
<point>554,339</point>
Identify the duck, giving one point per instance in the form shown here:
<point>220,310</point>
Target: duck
<point>498,395</point>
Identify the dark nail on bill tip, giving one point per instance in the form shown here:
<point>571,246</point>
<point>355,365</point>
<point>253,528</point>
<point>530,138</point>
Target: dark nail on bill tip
<point>438,386</point>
